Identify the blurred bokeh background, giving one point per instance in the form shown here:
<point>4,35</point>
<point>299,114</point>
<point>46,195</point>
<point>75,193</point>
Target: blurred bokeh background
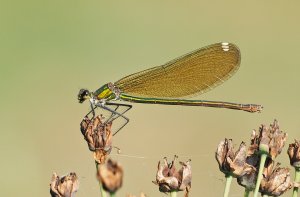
<point>51,49</point>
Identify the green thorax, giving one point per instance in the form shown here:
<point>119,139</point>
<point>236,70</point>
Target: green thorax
<point>104,92</point>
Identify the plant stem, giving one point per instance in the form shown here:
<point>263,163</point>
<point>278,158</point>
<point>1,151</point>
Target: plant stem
<point>112,194</point>
<point>227,186</point>
<point>263,158</point>
<point>102,191</point>
<point>173,193</point>
<point>297,179</point>
<point>247,192</point>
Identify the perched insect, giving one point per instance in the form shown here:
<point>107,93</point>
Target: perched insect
<point>170,84</point>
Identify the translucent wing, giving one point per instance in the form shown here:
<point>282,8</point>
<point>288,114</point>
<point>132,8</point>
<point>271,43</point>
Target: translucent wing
<point>188,75</point>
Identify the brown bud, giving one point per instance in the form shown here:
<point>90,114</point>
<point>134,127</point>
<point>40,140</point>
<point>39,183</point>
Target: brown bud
<point>110,175</point>
<point>294,154</point>
<point>65,186</point>
<point>169,179</point>
<point>271,137</point>
<point>98,135</point>
<point>230,162</point>
<point>276,180</point>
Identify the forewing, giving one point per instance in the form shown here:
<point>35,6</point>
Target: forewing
<point>188,75</point>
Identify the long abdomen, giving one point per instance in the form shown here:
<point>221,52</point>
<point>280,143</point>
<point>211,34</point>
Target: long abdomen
<point>204,103</point>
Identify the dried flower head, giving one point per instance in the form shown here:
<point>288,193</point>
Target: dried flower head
<point>276,180</point>
<point>270,137</point>
<point>98,135</point>
<point>294,154</point>
<point>110,175</point>
<point>169,179</point>
<point>230,162</point>
<point>65,186</point>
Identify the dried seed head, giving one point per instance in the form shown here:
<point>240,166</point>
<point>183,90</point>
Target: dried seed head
<point>98,136</point>
<point>294,154</point>
<point>233,163</point>
<point>169,179</point>
<point>110,175</point>
<point>276,180</point>
<point>270,137</point>
<point>65,186</point>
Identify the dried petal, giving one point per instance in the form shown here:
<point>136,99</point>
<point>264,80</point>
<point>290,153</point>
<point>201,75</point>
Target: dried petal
<point>184,175</point>
<point>224,150</point>
<point>294,153</point>
<point>65,186</point>
<point>110,175</point>
<point>254,143</point>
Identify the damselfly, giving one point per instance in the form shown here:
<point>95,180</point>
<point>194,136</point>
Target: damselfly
<point>170,84</point>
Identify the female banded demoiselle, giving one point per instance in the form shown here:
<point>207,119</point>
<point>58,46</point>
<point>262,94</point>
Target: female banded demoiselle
<point>171,83</point>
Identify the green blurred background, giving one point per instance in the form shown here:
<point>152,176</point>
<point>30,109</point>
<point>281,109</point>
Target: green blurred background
<point>51,49</point>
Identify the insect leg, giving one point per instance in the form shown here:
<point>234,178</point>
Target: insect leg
<point>127,108</point>
<point>116,114</point>
<point>93,109</point>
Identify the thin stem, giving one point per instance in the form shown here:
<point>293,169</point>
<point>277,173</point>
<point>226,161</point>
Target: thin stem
<point>113,194</point>
<point>297,179</point>
<point>247,192</point>
<point>173,193</point>
<point>102,191</point>
<point>263,158</point>
<point>227,186</point>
